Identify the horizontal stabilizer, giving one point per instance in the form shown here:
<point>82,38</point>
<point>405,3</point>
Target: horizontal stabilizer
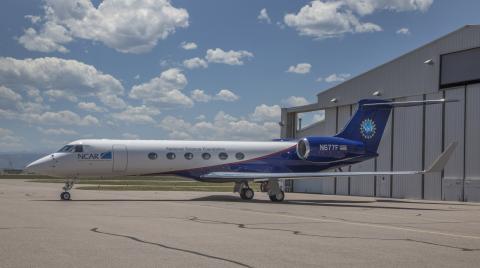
<point>408,103</point>
<point>437,166</point>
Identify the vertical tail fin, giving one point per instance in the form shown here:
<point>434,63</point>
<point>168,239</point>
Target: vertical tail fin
<point>368,123</point>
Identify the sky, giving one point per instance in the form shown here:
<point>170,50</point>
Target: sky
<point>202,70</point>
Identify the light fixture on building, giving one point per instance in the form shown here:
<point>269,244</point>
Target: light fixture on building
<point>334,100</point>
<point>281,124</point>
<point>429,62</point>
<point>377,93</point>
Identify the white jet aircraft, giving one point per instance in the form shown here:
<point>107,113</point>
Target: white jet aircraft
<point>240,162</point>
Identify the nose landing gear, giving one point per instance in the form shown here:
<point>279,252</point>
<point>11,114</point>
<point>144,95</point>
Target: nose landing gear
<point>68,186</point>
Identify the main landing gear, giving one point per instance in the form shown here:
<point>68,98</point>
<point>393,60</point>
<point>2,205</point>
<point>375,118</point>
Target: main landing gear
<point>68,186</point>
<point>246,193</point>
<point>272,188</point>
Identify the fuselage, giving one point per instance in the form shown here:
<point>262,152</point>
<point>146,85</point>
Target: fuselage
<point>192,159</point>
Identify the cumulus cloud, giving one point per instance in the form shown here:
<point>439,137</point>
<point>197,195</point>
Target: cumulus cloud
<point>194,63</point>
<point>137,115</point>
<point>56,94</point>
<point>322,19</point>
<point>126,26</point>
<point>9,140</point>
<point>230,57</point>
<point>7,94</point>
<point>50,38</point>
<point>57,131</point>
<point>90,106</point>
<point>295,101</point>
<point>62,118</point>
<point>366,7</point>
<point>226,95</point>
<point>188,45</point>
<point>222,127</point>
<point>199,95</point>
<point>166,88</point>
<point>264,112</point>
<point>333,78</point>
<point>301,68</point>
<point>263,16</point>
<point>403,31</point>
<point>52,75</point>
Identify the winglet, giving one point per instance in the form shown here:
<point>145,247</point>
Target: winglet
<point>441,161</point>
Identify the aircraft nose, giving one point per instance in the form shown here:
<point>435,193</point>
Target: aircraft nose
<point>42,166</point>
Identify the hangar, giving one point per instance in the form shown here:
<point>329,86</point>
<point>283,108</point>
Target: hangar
<point>448,67</point>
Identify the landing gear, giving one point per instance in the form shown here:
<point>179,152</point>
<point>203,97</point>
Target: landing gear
<point>246,193</point>
<point>68,186</point>
<point>65,196</point>
<point>278,197</point>
<point>275,192</point>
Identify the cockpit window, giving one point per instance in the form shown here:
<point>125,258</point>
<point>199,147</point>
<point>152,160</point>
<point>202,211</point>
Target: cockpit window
<point>66,148</point>
<point>78,148</point>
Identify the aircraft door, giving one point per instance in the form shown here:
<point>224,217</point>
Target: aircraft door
<point>120,157</point>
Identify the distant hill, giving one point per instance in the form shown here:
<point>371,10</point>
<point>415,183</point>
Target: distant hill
<point>18,160</point>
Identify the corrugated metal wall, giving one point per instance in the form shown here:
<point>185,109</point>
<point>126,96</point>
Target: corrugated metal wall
<point>454,124</point>
<point>472,139</point>
<point>407,149</point>
<point>384,160</point>
<point>433,146</point>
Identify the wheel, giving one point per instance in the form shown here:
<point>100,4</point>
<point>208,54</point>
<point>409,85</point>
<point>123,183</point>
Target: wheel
<point>242,194</point>
<point>277,197</point>
<point>65,196</point>
<point>246,194</point>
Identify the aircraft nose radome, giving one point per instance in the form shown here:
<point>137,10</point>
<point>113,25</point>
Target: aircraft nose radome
<point>40,166</point>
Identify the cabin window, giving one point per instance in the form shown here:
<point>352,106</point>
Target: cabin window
<point>152,156</point>
<point>206,156</point>
<point>78,148</point>
<point>239,156</point>
<point>223,156</point>
<point>188,156</point>
<point>171,156</point>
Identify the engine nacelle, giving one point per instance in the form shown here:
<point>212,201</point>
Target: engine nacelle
<point>326,149</point>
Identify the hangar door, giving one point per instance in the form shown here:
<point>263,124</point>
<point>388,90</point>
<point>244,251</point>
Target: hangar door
<point>120,157</point>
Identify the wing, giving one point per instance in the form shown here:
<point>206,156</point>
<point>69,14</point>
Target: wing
<point>437,166</point>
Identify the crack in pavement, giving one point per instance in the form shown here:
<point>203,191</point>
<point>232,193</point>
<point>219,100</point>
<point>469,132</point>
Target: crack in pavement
<point>296,232</point>
<point>95,230</point>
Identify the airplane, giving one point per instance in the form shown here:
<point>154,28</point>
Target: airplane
<point>241,162</point>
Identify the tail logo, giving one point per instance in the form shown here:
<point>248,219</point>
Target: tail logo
<point>368,128</point>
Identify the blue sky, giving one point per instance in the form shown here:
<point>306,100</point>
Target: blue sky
<point>191,69</point>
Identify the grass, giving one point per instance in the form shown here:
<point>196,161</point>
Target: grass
<point>136,183</point>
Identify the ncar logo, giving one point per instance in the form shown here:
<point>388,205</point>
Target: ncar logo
<point>368,128</point>
<point>95,156</point>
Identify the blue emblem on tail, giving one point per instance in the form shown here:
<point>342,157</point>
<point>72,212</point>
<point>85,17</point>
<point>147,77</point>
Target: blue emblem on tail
<point>368,128</point>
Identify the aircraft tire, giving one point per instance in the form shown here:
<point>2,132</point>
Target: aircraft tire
<point>248,193</point>
<point>242,194</point>
<point>65,196</point>
<point>279,197</point>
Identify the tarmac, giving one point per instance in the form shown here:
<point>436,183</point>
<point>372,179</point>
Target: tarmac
<point>201,229</point>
